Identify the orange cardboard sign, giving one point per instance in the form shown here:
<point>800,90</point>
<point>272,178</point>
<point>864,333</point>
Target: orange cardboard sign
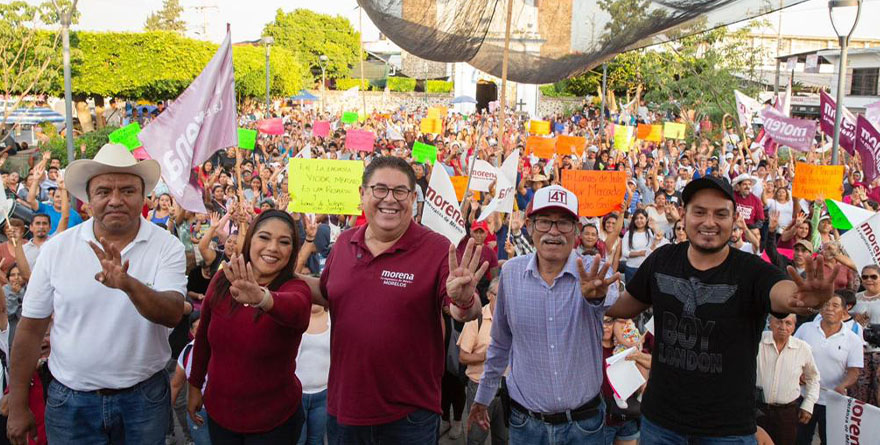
<point>541,147</point>
<point>460,185</point>
<point>599,192</point>
<point>568,145</point>
<point>817,181</point>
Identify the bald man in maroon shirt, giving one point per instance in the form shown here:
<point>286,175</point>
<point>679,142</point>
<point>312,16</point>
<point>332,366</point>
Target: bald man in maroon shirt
<point>386,284</point>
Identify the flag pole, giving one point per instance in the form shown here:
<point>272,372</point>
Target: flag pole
<point>361,53</point>
<point>504,62</point>
<point>471,167</point>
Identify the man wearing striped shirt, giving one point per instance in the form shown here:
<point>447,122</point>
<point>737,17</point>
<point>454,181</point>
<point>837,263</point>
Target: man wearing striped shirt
<point>548,326</point>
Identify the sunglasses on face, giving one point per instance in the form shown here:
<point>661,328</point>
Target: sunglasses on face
<point>870,277</point>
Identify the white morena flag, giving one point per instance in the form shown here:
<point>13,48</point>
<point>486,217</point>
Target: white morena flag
<point>441,212</point>
<point>746,108</point>
<point>351,93</point>
<point>862,243</point>
<point>483,175</point>
<point>305,153</point>
<point>872,113</point>
<point>505,188</point>
<point>850,421</point>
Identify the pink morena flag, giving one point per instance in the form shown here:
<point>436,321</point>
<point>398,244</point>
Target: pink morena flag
<point>196,125</point>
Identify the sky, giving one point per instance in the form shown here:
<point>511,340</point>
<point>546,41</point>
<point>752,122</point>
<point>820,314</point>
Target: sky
<point>247,17</point>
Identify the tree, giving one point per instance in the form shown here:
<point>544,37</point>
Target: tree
<point>167,18</point>
<point>310,34</point>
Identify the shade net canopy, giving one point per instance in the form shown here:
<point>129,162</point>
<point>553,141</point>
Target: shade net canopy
<point>549,39</point>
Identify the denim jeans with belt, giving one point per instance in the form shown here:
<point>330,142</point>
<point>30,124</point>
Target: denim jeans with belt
<point>139,415</point>
<point>417,428</point>
<point>653,434</point>
<point>527,430</point>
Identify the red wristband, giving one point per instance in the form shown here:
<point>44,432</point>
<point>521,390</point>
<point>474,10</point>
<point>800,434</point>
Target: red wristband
<point>468,306</point>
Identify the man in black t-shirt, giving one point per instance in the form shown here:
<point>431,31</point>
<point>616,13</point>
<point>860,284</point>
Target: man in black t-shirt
<point>710,304</point>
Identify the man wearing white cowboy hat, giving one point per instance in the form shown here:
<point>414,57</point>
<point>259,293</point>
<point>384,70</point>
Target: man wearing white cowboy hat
<point>747,204</point>
<point>113,288</point>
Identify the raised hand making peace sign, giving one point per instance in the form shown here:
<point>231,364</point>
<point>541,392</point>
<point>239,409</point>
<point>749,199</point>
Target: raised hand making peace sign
<point>594,285</point>
<point>463,277</point>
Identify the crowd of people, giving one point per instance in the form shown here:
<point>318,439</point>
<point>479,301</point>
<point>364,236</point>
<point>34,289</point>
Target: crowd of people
<point>252,324</point>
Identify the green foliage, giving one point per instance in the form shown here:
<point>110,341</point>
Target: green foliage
<point>557,89</point>
<point>344,84</point>
<point>159,65</point>
<point>439,86</point>
<point>27,54</point>
<point>310,34</point>
<point>167,18</point>
<point>93,141</point>
<point>401,84</point>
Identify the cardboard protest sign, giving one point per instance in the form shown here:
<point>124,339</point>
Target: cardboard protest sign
<point>598,192</point>
<point>349,117</point>
<point>437,112</point>
<point>623,137</point>
<point>673,130</point>
<point>815,181</point>
<point>541,147</point>
<point>127,135</point>
<point>539,127</point>
<point>459,183</point>
<point>271,126</point>
<point>431,125</point>
<point>441,210</point>
<point>360,140</point>
<point>643,131</point>
<point>321,129</point>
<point>140,154</point>
<point>247,139</point>
<point>656,133</point>
<point>325,186</point>
<point>424,153</point>
<point>568,145</point>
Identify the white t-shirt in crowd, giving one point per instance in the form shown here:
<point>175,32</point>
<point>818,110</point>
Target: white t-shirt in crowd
<point>872,309</point>
<point>640,241</point>
<point>99,339</point>
<point>833,355</point>
<point>313,361</point>
<point>786,212</point>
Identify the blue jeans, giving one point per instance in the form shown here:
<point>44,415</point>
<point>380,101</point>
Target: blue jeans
<point>418,428</point>
<point>629,273</point>
<point>628,430</point>
<point>314,406</point>
<point>140,415</point>
<point>199,434</point>
<point>653,434</point>
<point>527,430</point>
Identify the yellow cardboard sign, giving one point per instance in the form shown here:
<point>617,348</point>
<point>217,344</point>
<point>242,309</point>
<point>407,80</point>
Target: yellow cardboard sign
<point>673,130</point>
<point>539,127</point>
<point>324,186</point>
<point>817,181</point>
<point>623,137</point>
<point>431,125</point>
<point>437,112</point>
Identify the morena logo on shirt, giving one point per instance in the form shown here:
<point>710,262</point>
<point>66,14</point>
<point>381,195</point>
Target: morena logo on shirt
<point>397,279</point>
<point>558,196</point>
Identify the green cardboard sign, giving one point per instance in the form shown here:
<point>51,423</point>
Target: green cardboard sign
<point>247,139</point>
<point>349,117</point>
<point>424,153</point>
<point>127,136</point>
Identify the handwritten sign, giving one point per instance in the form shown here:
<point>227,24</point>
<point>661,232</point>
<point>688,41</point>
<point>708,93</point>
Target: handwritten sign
<point>541,147</point>
<point>623,137</point>
<point>460,185</point>
<point>127,135</point>
<point>568,145</point>
<point>598,192</point>
<point>424,153</point>
<point>437,112</point>
<point>247,139</point>
<point>539,127</point>
<point>673,130</point>
<point>360,140</point>
<point>325,186</point>
<point>321,129</point>
<point>817,181</point>
<point>431,125</point>
<point>349,117</point>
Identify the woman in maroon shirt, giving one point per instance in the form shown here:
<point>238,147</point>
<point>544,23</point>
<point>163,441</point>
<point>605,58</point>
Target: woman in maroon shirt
<point>252,321</point>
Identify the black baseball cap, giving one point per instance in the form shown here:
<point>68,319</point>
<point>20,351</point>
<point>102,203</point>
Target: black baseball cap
<point>707,182</point>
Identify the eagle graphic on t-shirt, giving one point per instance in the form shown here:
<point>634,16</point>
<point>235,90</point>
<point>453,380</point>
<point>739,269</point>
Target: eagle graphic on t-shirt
<point>693,293</point>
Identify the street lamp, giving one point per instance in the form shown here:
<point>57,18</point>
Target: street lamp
<point>322,61</point>
<point>844,18</point>
<point>268,41</point>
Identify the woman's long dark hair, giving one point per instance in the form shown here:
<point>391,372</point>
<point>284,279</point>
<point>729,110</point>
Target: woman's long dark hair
<point>632,226</point>
<point>221,291</point>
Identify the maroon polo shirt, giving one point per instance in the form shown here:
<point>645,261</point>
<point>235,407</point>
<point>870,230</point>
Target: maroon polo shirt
<point>386,345</point>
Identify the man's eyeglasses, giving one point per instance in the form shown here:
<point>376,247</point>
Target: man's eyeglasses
<point>562,225</point>
<point>870,277</point>
<point>381,191</point>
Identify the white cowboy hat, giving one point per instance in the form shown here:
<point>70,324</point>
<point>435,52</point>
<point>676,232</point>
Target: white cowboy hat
<point>111,158</point>
<point>743,177</point>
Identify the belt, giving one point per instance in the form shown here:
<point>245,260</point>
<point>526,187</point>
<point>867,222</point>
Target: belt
<point>791,404</point>
<point>585,411</point>
<point>117,391</point>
